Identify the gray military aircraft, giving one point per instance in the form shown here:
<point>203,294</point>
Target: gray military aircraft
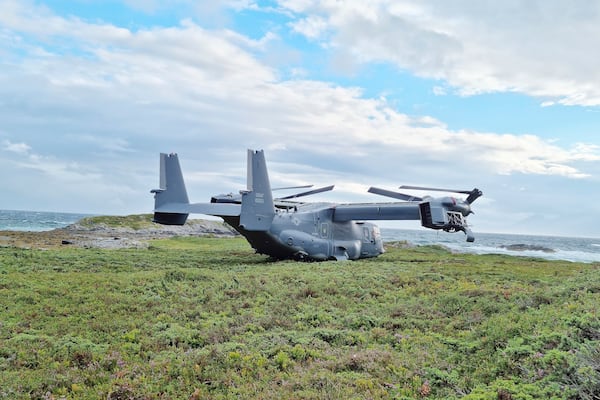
<point>284,228</point>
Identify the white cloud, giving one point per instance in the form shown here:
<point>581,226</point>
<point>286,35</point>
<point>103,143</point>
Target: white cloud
<point>49,166</point>
<point>311,27</point>
<point>199,71</point>
<point>540,48</point>
<point>439,90</point>
<point>18,148</point>
<point>102,107</point>
<point>186,84</point>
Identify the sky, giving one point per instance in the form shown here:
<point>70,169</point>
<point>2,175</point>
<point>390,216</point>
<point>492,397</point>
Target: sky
<point>502,96</point>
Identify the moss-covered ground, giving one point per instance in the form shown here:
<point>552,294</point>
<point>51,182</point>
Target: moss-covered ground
<point>134,221</point>
<point>196,318</point>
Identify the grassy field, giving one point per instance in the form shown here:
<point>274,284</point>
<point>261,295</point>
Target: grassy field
<point>195,318</point>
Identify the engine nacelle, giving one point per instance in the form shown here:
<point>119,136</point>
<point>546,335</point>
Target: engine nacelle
<point>436,216</point>
<point>433,216</point>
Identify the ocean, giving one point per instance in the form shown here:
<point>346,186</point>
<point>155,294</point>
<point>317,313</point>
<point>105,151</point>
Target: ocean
<point>36,221</point>
<point>548,247</point>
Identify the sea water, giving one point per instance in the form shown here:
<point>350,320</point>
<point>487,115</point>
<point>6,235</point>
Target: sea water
<point>548,247</point>
<point>36,221</point>
<point>551,247</point>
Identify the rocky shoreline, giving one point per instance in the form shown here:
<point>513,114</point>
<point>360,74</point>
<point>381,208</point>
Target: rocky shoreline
<point>99,235</point>
<point>524,247</point>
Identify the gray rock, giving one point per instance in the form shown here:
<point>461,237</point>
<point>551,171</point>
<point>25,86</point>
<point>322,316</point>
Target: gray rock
<point>524,247</point>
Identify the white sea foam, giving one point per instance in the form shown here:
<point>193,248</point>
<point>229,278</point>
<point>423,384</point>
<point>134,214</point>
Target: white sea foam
<point>557,248</point>
<point>565,255</point>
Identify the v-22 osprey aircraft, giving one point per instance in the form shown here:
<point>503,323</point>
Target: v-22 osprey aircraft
<point>284,228</point>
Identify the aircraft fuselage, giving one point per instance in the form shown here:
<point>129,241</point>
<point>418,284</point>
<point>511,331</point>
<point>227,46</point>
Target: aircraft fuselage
<point>308,232</point>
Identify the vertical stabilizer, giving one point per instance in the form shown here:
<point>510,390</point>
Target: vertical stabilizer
<point>249,170</point>
<point>258,208</point>
<point>171,192</point>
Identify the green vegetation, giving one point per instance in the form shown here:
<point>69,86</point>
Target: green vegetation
<point>136,221</point>
<point>196,318</point>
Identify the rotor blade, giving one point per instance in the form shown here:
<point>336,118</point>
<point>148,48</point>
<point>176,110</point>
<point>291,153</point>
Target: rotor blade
<point>292,187</point>
<point>474,195</point>
<point>314,191</point>
<point>435,189</point>
<point>394,195</point>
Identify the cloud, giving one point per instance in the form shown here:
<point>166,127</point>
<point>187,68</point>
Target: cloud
<point>311,27</point>
<point>439,91</point>
<point>63,171</point>
<point>103,104</point>
<point>540,48</point>
<point>18,148</point>
<point>189,85</point>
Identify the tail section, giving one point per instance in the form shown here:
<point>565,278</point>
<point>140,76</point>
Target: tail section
<point>172,193</point>
<point>172,206</point>
<point>258,208</point>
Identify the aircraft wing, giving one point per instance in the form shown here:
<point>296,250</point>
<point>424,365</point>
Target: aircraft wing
<point>433,213</point>
<point>376,211</point>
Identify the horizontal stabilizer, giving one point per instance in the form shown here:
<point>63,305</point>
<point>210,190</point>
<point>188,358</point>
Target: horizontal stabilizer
<point>216,209</point>
<point>171,204</point>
